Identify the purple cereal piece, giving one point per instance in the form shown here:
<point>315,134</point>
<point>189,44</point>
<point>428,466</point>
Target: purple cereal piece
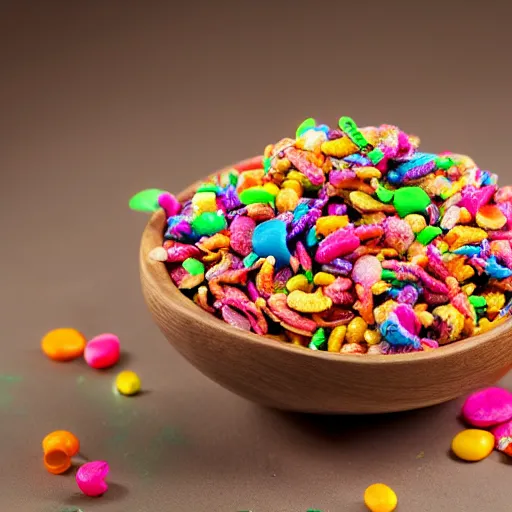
<point>281,278</point>
<point>419,171</point>
<point>336,209</point>
<point>435,263</point>
<point>304,223</point>
<point>252,291</point>
<point>338,266</point>
<point>408,295</point>
<point>334,134</point>
<point>230,198</point>
<point>236,213</point>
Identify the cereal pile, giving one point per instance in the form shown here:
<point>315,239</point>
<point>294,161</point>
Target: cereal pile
<point>348,240</point>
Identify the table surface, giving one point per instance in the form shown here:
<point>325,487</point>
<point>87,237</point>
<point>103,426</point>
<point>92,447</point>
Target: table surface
<point>102,99</point>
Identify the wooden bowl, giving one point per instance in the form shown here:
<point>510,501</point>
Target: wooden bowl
<point>289,377</point>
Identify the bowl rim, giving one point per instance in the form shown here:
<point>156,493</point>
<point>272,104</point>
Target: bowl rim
<point>175,300</point>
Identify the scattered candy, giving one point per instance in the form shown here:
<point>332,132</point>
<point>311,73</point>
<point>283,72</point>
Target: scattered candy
<point>102,351</point>
<point>473,445</point>
<point>348,240</point>
<point>58,448</point>
<point>63,344</point>
<point>488,407</point>
<point>90,478</point>
<point>380,498</point>
<point>146,200</point>
<point>503,437</point>
<point>128,383</point>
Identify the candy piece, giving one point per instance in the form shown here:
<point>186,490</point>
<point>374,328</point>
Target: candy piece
<point>128,383</point>
<point>58,448</point>
<point>490,217</point>
<point>460,236</point>
<point>193,266</point>
<point>158,254</point>
<point>269,239</point>
<point>339,148</point>
<point>365,203</point>
<point>286,200</point>
<point>488,407</point>
<point>337,244</point>
<point>90,478</point>
<point>326,225</point>
<point>355,330</point>
<point>323,279</point>
<point>303,127</point>
<point>256,195</point>
<point>336,338</point>
<point>146,200</point>
<point>204,202</point>
<point>63,344</point>
<point>308,302</point>
<point>102,351</point>
<point>209,223</point>
<point>410,200</point>
<point>318,340</point>
<point>242,229</point>
<point>503,437</point>
<point>425,236</point>
<point>380,498</point>
<point>473,445</point>
<point>348,126</point>
<point>169,203</point>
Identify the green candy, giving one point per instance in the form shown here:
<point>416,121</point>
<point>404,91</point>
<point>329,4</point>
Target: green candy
<point>375,155</point>
<point>426,235</point>
<point>267,164</point>
<point>348,125</point>
<point>387,274</point>
<point>208,223</point>
<point>146,200</point>
<point>385,195</point>
<point>444,162</point>
<point>318,340</point>
<point>256,195</point>
<point>309,275</point>
<point>477,301</point>
<point>193,267</point>
<point>250,259</point>
<point>409,200</point>
<point>233,179</point>
<point>208,187</point>
<point>306,125</point>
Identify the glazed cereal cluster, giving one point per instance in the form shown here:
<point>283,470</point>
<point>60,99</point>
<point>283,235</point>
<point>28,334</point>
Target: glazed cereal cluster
<point>347,240</point>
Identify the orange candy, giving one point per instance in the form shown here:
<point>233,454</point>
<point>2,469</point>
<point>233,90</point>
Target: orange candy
<point>58,448</point>
<point>63,344</point>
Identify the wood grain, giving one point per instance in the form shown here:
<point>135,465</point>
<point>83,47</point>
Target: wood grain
<point>293,378</point>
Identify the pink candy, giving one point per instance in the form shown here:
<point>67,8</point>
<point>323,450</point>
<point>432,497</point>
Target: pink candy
<point>91,478</point>
<point>488,407</point>
<point>102,351</point>
<point>503,435</point>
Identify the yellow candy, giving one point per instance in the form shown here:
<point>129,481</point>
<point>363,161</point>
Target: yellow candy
<point>286,200</point>
<point>298,282</point>
<point>128,383</point>
<point>323,279</point>
<point>282,164</point>
<point>380,498</point>
<point>301,178</point>
<point>330,223</point>
<point>336,338</point>
<point>271,188</point>
<point>339,147</point>
<point>495,302</point>
<point>464,235</point>
<point>380,287</point>
<point>382,312</point>
<point>365,203</point>
<point>355,330</point>
<point>372,337</point>
<point>295,185</point>
<point>473,445</point>
<point>308,302</point>
<point>426,319</point>
<point>365,173</point>
<point>417,222</point>
<point>204,202</point>
<point>469,288</point>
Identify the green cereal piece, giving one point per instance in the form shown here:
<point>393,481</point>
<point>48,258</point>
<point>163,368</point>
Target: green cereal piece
<point>318,340</point>
<point>350,128</point>
<point>233,179</point>
<point>375,155</point>
<point>267,164</point>
<point>208,223</point>
<point>256,195</point>
<point>306,125</point>
<point>477,301</point>
<point>208,187</point>
<point>385,195</point>
<point>250,259</point>
<point>444,162</point>
<point>387,274</point>
<point>193,267</point>
<point>309,275</point>
<point>146,200</point>
<point>410,200</point>
<point>426,235</point>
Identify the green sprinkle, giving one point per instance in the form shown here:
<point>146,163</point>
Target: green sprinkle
<point>146,200</point>
<point>306,125</point>
<point>250,259</point>
<point>375,155</point>
<point>193,267</point>
<point>318,339</point>
<point>410,200</point>
<point>208,187</point>
<point>444,162</point>
<point>267,164</point>
<point>387,274</point>
<point>233,179</point>
<point>477,301</point>
<point>208,223</point>
<point>256,195</point>
<point>348,125</point>
<point>309,275</point>
<point>385,195</point>
<point>426,235</point>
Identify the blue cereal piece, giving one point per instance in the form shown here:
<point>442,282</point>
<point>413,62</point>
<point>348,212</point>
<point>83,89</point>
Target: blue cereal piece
<point>311,238</point>
<point>269,239</point>
<point>396,335</point>
<point>468,250</point>
<point>300,210</point>
<point>494,270</point>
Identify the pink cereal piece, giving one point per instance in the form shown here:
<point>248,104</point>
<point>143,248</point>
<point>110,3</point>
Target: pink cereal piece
<point>503,435</point>
<point>179,252</point>
<point>232,317</point>
<point>337,244</point>
<point>367,271</point>
<point>303,256</point>
<point>241,235</point>
<point>473,198</point>
<point>398,234</point>
<point>169,203</point>
<point>102,351</point>
<point>91,478</point>
<point>408,319</point>
<point>488,407</point>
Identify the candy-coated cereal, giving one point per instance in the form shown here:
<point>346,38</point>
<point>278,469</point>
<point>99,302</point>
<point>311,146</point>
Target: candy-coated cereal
<point>63,344</point>
<point>380,498</point>
<point>128,383</point>
<point>473,445</point>
<point>102,351</point>
<point>90,478</point>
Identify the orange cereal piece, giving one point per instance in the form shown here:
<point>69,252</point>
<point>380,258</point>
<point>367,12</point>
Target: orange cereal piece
<point>58,448</point>
<point>251,178</point>
<point>490,216</point>
<point>63,344</point>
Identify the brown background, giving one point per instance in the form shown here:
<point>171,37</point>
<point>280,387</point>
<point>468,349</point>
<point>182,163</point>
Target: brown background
<point>102,99</point>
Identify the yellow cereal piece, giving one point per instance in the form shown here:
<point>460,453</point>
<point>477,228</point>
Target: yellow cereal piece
<point>295,185</point>
<point>336,338</point>
<point>366,173</point>
<point>473,445</point>
<point>286,200</point>
<point>308,302</point>
<point>380,498</point>
<point>417,222</point>
<point>372,337</point>
<point>419,308</point>
<point>128,383</point>
<point>330,223</point>
<point>298,282</point>
<point>269,148</point>
<point>355,330</point>
<point>469,288</point>
<point>453,317</point>
<point>464,235</point>
<point>490,217</point>
<point>339,148</point>
<point>363,202</point>
<point>495,302</point>
<point>204,202</point>
<point>373,218</point>
<point>386,253</point>
<point>380,287</point>
<point>271,188</point>
<point>282,164</point>
<point>301,178</point>
<point>426,318</point>
<point>469,327</point>
<point>382,312</point>
<point>485,325</point>
<point>456,265</point>
<point>465,216</point>
<point>443,247</point>
<point>323,279</point>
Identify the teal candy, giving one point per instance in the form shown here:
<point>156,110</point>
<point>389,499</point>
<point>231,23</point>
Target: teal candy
<point>311,238</point>
<point>269,239</point>
<point>426,235</point>
<point>410,200</point>
<point>256,195</point>
<point>250,259</point>
<point>146,200</point>
<point>208,224</point>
